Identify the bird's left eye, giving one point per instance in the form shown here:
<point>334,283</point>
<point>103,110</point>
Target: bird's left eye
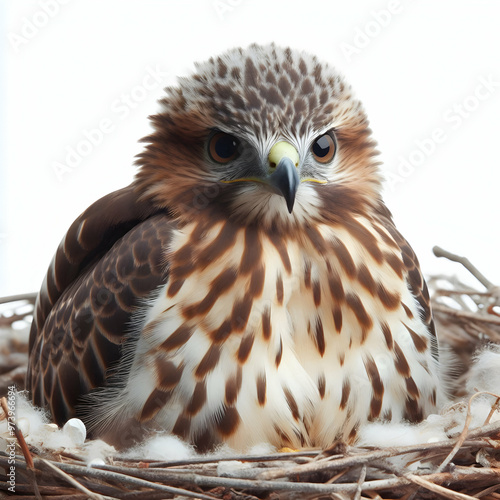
<point>223,147</point>
<point>324,147</point>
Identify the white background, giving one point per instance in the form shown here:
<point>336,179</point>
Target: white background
<point>66,71</point>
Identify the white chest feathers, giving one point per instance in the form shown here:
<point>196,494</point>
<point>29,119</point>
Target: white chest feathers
<point>293,341</point>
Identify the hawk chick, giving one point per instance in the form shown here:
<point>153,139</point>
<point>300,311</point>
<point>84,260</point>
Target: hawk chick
<point>249,285</point>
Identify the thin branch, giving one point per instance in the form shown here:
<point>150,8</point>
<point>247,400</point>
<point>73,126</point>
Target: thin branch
<point>494,407</point>
<point>463,434</point>
<point>440,252</point>
<point>361,480</point>
<point>480,318</point>
<point>377,454</point>
<point>126,479</point>
<point>72,481</point>
<point>436,488</point>
<point>295,456</point>
<point>30,297</point>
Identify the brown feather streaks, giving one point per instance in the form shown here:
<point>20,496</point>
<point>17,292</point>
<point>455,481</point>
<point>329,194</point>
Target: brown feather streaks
<point>337,318</point>
<point>292,403</point>
<point>401,363</point>
<point>178,338</point>
<point>229,421</point>
<point>317,293</point>
<point>280,245</point>
<point>198,399</point>
<point>366,279</point>
<point>320,336</point>
<point>168,374</point>
<point>279,290</point>
<point>252,254</point>
<point>245,347</point>
<point>346,391</point>
<point>322,385</point>
<point>218,247</point>
<point>419,342</point>
<point>261,389</point>
<point>387,335</point>
<point>209,361</point>
<point>344,257</point>
<point>279,354</point>
<point>336,287</point>
<point>256,285</point>
<point>219,286</point>
<point>266,323</point>
<point>241,313</point>
<point>356,306</point>
<point>377,386</point>
<point>156,401</point>
<point>233,386</point>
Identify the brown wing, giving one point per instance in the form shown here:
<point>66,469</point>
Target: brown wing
<point>109,261</point>
<point>414,279</point>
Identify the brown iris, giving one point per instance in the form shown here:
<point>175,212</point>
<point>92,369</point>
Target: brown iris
<point>223,147</point>
<point>324,147</point>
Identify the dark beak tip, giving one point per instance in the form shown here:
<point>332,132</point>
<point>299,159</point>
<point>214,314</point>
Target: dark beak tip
<point>286,180</point>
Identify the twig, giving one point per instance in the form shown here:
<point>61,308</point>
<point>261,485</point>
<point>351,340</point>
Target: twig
<point>463,434</point>
<point>487,491</point>
<point>436,488</point>
<point>459,475</point>
<point>377,454</point>
<point>72,481</point>
<point>494,407</point>
<point>295,456</point>
<point>440,252</point>
<point>354,460</point>
<point>466,315</point>
<point>30,297</point>
<point>361,480</point>
<point>127,479</point>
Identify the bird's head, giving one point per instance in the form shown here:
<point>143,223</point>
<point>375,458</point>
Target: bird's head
<point>263,135</point>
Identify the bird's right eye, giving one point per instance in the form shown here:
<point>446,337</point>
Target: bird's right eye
<point>223,147</point>
<point>324,148</point>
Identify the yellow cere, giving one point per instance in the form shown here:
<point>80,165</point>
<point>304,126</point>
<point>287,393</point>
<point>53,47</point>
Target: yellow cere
<point>281,150</point>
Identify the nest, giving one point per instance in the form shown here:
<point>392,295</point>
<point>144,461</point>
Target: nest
<point>464,466</point>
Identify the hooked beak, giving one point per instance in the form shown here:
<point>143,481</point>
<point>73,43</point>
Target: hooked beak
<point>283,163</point>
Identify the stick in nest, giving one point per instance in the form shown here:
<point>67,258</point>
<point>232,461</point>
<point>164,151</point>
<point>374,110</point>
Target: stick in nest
<point>440,252</point>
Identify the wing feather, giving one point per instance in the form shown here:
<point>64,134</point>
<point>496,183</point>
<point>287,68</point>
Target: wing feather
<point>109,261</point>
<point>414,279</point>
